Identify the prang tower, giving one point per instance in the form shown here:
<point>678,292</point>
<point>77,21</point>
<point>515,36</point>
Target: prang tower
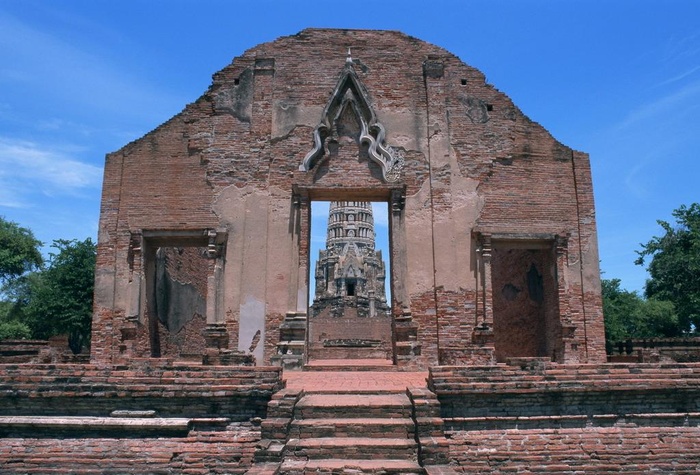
<point>350,266</point>
<point>350,310</point>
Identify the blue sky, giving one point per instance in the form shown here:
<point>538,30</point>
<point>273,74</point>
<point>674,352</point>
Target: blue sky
<point>619,80</point>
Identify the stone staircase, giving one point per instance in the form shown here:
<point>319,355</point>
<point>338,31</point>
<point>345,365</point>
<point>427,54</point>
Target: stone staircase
<point>352,432</point>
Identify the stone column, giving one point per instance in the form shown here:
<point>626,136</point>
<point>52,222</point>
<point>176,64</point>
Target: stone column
<point>569,345</point>
<point>397,248</point>
<point>487,283</point>
<point>136,277</point>
<point>483,332</point>
<point>215,333</point>
<point>304,209</point>
<point>134,314</point>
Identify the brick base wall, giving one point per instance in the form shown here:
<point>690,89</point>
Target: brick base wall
<point>238,393</point>
<point>506,393</point>
<point>228,451</point>
<point>585,450</point>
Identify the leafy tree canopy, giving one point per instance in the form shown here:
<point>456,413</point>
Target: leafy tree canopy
<point>19,251</point>
<point>674,266</point>
<point>59,299</point>
<point>628,315</point>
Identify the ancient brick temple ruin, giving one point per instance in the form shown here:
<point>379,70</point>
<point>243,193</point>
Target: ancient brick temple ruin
<point>204,229</point>
<point>211,353</point>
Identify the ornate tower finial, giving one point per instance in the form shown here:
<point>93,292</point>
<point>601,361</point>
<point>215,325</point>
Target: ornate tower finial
<point>348,60</point>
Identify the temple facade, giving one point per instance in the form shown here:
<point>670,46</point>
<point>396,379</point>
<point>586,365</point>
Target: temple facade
<point>204,237</point>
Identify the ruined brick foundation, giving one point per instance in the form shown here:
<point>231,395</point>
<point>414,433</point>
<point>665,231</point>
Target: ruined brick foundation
<point>526,416</point>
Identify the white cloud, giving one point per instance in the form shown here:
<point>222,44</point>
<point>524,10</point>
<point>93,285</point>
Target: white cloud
<point>679,76</point>
<point>9,198</point>
<point>682,49</point>
<point>27,168</point>
<point>662,107</point>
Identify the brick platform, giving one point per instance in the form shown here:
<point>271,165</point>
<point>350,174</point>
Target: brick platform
<point>228,451</point>
<point>630,450</point>
<point>150,417</point>
<point>533,417</point>
<point>498,419</point>
<point>554,395</point>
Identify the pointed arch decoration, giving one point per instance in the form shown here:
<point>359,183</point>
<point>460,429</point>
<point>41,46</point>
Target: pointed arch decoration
<point>349,92</point>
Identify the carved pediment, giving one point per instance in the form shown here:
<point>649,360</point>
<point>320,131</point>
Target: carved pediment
<point>350,96</point>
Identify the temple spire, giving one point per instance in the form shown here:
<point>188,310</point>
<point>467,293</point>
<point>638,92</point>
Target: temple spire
<point>350,222</point>
<point>350,265</point>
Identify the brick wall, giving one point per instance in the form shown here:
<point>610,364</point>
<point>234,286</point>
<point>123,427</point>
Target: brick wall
<point>596,392</point>
<point>238,393</point>
<point>532,416</point>
<point>227,451</point>
<point>579,450</point>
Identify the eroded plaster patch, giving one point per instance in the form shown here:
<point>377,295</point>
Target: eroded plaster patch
<point>252,324</point>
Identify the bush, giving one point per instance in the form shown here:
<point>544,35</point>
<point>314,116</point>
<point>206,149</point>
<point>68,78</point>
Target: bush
<point>14,331</point>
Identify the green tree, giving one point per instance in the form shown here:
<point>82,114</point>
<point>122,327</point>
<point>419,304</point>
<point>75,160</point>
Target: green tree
<point>59,299</point>
<point>19,251</point>
<point>628,315</point>
<point>674,267</point>
<point>19,254</point>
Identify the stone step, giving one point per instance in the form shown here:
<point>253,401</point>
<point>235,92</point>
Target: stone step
<point>269,452</point>
<point>434,450</point>
<point>264,469</point>
<point>343,466</point>
<point>353,427</point>
<point>329,406</point>
<point>353,448</point>
<point>22,426</point>
<point>440,470</point>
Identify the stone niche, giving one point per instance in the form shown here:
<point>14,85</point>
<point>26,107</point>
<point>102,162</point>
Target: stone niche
<point>204,244</point>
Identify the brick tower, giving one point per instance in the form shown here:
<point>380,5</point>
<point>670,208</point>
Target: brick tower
<point>350,266</point>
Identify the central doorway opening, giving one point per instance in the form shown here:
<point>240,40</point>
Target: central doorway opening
<point>349,315</point>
